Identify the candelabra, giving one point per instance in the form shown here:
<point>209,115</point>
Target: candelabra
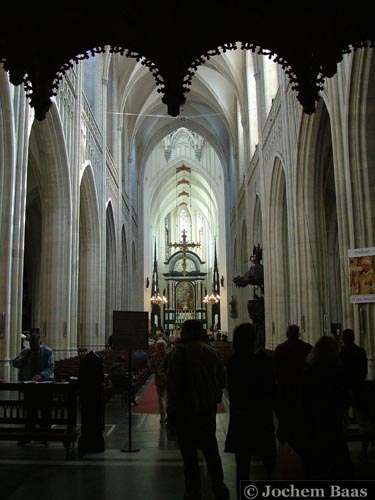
<point>214,298</point>
<point>157,299</point>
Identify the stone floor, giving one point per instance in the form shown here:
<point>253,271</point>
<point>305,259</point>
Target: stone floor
<point>154,472</point>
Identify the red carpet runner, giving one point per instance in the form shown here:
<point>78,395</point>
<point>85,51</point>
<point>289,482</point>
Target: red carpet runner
<point>148,402</point>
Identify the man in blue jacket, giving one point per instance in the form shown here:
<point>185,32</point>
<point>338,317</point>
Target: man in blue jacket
<point>36,362</point>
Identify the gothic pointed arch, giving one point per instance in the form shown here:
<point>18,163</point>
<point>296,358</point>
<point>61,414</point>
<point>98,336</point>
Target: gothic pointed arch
<point>252,101</point>
<point>124,271</point>
<point>361,118</point>
<point>49,158</point>
<point>279,292</point>
<point>89,261</point>
<point>257,222</point>
<point>361,123</point>
<point>317,226</point>
<point>32,257</point>
<point>111,275</point>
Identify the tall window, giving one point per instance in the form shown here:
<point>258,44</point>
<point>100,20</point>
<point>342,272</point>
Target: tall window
<point>166,222</point>
<point>271,81</point>
<point>185,222</point>
<point>252,102</point>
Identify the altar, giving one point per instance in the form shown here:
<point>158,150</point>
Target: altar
<point>185,289</point>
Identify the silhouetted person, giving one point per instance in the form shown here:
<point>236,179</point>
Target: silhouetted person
<point>325,396</point>
<point>354,363</point>
<point>196,377</point>
<point>289,363</point>
<point>251,387</point>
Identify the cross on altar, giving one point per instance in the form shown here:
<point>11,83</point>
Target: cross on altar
<point>184,246</point>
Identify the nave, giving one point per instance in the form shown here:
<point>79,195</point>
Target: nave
<point>155,472</point>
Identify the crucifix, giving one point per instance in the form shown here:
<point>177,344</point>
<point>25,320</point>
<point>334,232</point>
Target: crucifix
<point>184,246</point>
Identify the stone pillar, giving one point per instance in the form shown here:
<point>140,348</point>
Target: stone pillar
<point>14,125</point>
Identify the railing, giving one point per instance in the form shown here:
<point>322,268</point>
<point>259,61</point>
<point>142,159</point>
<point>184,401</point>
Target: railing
<point>184,314</point>
<point>39,411</point>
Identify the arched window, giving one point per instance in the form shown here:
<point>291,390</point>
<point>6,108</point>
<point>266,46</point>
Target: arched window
<point>185,223</point>
<point>251,75</point>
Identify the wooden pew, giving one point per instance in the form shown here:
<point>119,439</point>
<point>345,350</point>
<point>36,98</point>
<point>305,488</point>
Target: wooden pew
<point>34,411</point>
<point>69,367</point>
<point>140,371</point>
<point>66,368</point>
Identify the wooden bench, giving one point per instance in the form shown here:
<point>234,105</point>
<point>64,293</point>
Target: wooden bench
<point>69,367</point>
<point>66,368</point>
<point>140,371</point>
<point>33,411</point>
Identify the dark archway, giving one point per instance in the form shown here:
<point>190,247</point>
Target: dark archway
<point>308,44</point>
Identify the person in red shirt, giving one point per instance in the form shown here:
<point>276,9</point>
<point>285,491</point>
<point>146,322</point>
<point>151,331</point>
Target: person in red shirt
<point>289,363</point>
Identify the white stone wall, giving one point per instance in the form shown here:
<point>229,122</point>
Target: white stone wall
<point>292,161</point>
<point>72,171</point>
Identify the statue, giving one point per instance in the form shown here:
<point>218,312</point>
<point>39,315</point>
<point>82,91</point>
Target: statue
<point>255,307</point>
<point>254,275</point>
<point>233,308</point>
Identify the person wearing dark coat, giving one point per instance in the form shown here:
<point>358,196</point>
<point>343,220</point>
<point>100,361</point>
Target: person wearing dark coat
<point>195,381</point>
<point>324,399</point>
<point>354,362</point>
<point>251,386</point>
<point>289,363</point>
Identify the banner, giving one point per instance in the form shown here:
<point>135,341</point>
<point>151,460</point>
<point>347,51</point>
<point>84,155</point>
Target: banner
<point>362,275</point>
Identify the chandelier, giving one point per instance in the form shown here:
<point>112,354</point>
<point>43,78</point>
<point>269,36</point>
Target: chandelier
<point>214,298</point>
<point>158,300</point>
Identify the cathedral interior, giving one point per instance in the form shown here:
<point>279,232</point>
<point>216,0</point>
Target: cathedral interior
<point>148,154</point>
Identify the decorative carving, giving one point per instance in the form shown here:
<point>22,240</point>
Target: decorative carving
<point>167,154</point>
<point>233,307</point>
<point>307,57</point>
